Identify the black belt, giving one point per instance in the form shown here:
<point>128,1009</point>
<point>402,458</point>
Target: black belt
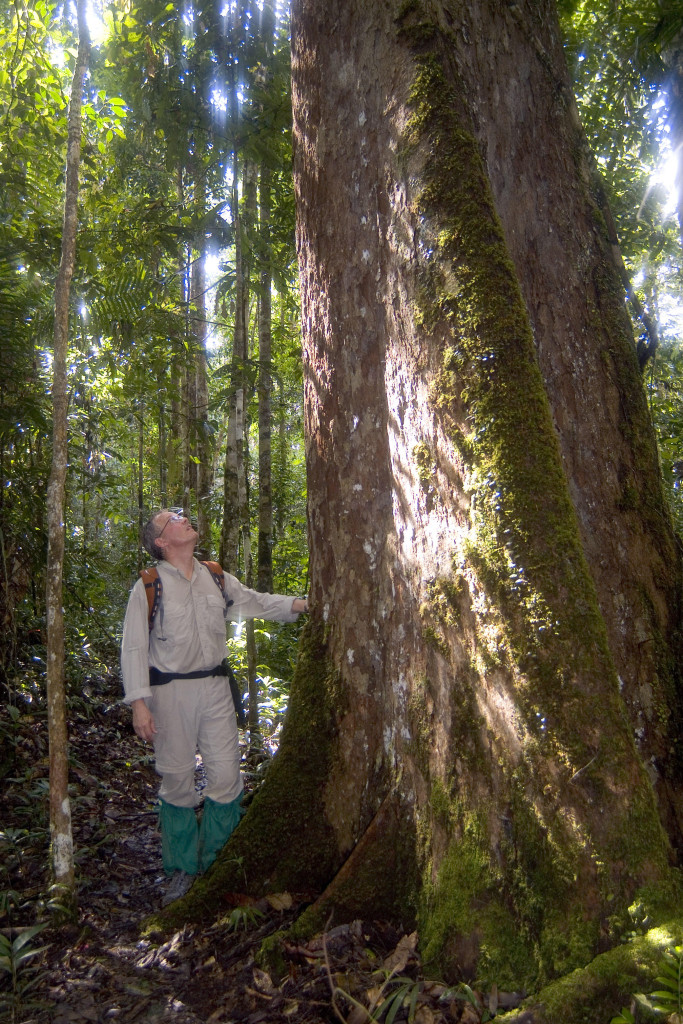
<point>158,678</point>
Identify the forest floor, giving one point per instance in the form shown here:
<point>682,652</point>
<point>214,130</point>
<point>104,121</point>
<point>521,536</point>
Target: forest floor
<point>101,970</point>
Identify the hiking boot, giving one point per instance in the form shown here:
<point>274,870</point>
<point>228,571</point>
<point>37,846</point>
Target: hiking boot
<point>179,884</point>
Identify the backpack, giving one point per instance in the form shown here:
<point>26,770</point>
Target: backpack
<point>154,589</point>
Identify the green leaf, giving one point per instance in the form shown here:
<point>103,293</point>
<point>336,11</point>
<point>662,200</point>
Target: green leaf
<point>391,1005</point>
<point>27,935</point>
<point>663,996</point>
<point>625,1017</point>
<point>27,955</point>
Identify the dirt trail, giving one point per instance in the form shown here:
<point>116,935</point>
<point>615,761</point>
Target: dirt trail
<point>101,971</point>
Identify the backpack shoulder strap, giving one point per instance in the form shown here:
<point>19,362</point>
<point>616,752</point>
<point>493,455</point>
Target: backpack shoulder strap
<point>153,589</point>
<point>217,575</point>
<point>219,579</point>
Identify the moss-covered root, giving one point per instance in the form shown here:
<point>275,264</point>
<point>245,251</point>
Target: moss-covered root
<point>599,991</point>
<point>378,879</point>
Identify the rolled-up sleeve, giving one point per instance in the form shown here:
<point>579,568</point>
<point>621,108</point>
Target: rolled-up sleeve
<point>251,604</point>
<point>135,646</point>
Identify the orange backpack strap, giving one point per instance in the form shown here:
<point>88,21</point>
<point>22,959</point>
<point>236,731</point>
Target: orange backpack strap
<point>217,575</point>
<point>219,579</point>
<point>153,589</point>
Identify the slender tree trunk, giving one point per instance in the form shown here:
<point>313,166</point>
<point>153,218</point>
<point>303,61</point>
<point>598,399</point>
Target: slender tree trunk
<point>281,464</point>
<point>175,444</point>
<point>187,401</point>
<point>255,744</point>
<point>60,811</point>
<point>245,534</point>
<point>163,457</point>
<point>177,414</point>
<point>265,344</point>
<point>234,481</point>
<point>265,387</point>
<point>253,723</point>
<point>201,407</point>
<point>141,480</point>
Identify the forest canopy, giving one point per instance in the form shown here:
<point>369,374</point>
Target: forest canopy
<point>181,123</point>
<point>184,115</point>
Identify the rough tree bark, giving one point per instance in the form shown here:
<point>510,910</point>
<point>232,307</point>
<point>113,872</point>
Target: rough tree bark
<point>488,532</point>
<point>562,245</point>
<point>60,810</point>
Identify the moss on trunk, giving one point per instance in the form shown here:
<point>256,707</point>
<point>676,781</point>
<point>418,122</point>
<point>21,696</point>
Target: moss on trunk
<point>598,991</point>
<point>582,831</point>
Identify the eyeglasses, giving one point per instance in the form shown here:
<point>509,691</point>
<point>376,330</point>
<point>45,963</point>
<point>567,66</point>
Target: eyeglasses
<point>175,517</point>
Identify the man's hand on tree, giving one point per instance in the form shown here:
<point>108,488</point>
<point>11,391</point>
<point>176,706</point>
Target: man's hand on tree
<point>143,721</point>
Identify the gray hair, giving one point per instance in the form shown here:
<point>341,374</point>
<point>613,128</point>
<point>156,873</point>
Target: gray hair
<point>150,534</point>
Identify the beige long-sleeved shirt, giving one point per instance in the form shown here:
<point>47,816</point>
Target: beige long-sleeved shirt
<point>189,629</point>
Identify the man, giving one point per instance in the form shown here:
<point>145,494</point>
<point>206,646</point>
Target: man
<point>183,714</point>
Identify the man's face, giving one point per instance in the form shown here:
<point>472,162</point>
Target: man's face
<point>174,530</point>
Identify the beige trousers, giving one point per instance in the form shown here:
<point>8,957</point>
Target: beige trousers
<point>191,715</point>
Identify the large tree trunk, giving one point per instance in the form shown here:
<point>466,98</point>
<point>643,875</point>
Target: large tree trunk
<point>460,747</point>
<point>562,247</point>
<point>60,809</point>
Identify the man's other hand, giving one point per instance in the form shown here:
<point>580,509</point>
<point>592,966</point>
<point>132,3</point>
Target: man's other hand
<point>143,721</point>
